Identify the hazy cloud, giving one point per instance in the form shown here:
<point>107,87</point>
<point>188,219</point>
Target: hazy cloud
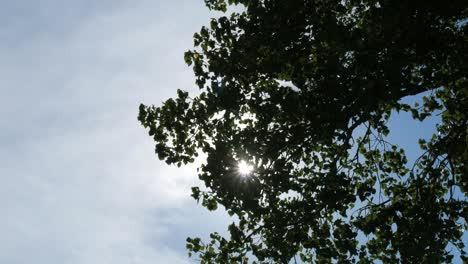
<point>80,182</point>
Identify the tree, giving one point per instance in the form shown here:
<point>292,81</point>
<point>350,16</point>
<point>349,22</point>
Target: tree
<point>302,91</point>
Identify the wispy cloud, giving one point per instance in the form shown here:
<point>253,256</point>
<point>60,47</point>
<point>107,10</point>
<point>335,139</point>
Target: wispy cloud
<point>79,181</point>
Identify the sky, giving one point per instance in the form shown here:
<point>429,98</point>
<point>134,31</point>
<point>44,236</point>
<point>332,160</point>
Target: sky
<point>80,182</point>
<point>79,179</point>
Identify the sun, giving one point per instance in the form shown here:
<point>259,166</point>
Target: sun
<point>244,168</point>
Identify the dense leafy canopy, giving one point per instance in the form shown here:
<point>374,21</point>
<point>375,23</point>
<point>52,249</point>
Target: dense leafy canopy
<point>302,90</point>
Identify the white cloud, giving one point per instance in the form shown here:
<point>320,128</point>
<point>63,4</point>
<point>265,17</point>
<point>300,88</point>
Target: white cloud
<point>80,182</point>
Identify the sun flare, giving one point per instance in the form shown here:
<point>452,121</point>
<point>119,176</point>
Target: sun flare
<point>244,168</point>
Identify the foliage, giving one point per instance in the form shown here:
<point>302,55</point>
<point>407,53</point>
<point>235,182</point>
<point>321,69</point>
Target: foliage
<point>303,90</point>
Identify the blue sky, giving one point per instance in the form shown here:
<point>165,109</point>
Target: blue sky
<point>80,181</point>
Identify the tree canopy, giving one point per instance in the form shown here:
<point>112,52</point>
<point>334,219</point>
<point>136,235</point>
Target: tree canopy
<point>302,91</point>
